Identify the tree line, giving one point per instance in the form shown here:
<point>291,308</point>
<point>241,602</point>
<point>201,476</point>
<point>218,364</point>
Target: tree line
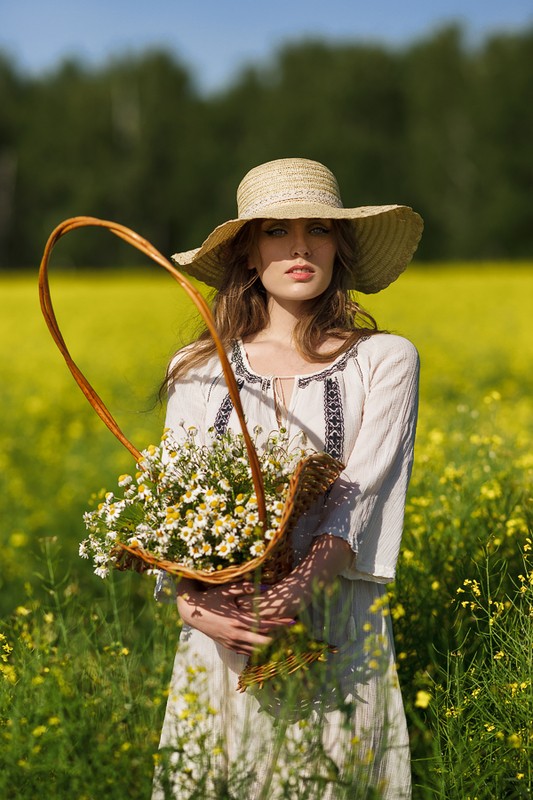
<point>438,125</point>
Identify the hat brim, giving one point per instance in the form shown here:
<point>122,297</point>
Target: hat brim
<point>387,237</point>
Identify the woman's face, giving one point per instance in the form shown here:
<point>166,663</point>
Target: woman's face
<point>294,257</point>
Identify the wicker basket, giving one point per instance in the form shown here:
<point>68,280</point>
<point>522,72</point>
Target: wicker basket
<point>311,478</point>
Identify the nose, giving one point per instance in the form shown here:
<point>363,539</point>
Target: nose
<point>300,245</point>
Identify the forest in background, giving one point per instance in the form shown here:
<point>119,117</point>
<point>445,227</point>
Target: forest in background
<point>437,125</point>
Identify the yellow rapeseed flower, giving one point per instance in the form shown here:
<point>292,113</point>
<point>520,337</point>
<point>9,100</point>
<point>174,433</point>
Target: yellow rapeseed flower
<point>423,699</point>
<point>492,397</point>
<point>9,673</point>
<point>398,611</point>
<point>436,437</point>
<point>491,490</point>
<point>18,539</point>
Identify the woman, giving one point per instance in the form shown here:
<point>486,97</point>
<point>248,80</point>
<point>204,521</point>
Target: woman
<point>306,358</point>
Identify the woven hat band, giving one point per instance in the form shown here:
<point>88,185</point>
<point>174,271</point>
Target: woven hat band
<point>307,196</point>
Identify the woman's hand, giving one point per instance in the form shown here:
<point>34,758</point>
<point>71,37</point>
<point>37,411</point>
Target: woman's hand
<point>215,612</point>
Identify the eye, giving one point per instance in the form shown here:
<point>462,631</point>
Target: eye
<point>319,230</point>
<point>276,230</point>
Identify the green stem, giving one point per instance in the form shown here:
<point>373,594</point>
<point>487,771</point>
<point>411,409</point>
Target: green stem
<point>118,635</point>
<point>53,591</point>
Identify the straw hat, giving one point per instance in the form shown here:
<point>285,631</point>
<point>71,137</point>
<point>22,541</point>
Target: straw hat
<point>296,188</point>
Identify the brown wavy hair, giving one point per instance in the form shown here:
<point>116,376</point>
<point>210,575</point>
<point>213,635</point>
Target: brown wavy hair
<point>240,305</point>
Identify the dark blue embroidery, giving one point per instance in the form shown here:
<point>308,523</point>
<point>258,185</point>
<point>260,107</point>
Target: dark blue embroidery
<point>338,366</point>
<point>213,384</point>
<point>334,438</point>
<point>243,371</point>
<point>224,412</point>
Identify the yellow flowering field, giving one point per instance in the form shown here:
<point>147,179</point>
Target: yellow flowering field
<point>84,664</point>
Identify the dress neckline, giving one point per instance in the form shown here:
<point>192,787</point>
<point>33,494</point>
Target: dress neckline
<point>327,366</point>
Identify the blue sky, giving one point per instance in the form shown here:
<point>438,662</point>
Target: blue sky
<point>214,38</point>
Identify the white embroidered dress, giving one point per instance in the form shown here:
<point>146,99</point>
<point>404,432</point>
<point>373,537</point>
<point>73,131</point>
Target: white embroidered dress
<point>361,409</point>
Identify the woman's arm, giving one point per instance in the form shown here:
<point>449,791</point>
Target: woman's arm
<point>327,557</point>
<point>215,612</point>
<point>366,504</point>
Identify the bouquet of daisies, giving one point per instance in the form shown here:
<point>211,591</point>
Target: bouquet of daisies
<point>194,505</point>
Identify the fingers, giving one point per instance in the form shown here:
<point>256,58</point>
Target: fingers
<point>247,644</point>
<point>254,641</point>
<point>264,624</point>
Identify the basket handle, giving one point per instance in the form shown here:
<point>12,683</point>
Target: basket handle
<point>133,238</point>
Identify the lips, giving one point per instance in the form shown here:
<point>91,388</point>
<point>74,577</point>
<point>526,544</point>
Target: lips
<point>300,270</point>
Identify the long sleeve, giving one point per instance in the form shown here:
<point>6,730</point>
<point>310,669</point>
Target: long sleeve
<point>186,405</point>
<point>366,504</point>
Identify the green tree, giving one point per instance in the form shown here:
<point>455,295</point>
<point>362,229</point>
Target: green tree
<point>12,89</point>
<point>440,133</point>
<point>503,151</point>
